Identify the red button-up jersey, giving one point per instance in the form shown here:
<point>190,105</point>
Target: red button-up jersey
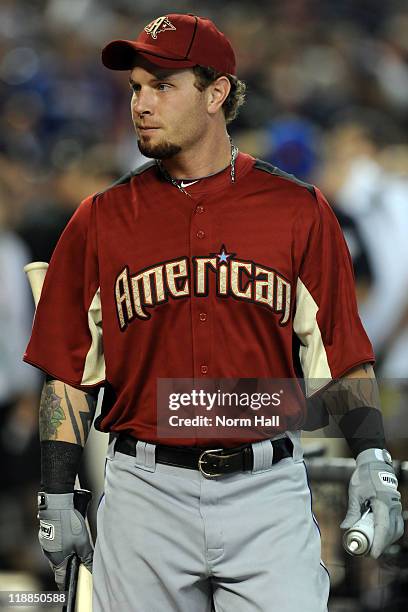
<point>250,279</point>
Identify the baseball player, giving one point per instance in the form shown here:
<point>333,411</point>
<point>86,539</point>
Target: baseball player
<point>204,263</point>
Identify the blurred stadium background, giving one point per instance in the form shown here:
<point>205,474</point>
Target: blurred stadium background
<point>327,100</point>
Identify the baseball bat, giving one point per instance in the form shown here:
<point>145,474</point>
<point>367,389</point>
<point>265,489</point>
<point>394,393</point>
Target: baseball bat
<point>80,578</point>
<point>36,272</point>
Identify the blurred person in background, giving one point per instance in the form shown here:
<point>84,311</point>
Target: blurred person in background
<point>297,146</point>
<point>42,225</point>
<point>19,393</point>
<point>366,183</point>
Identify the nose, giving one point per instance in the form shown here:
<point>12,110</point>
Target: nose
<point>142,102</point>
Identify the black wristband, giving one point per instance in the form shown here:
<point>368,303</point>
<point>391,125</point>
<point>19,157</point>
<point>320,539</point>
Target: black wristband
<point>60,463</point>
<point>363,428</point>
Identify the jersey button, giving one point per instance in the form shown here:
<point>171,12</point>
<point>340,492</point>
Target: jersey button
<point>203,316</point>
<point>200,234</point>
<point>199,209</point>
<point>204,369</point>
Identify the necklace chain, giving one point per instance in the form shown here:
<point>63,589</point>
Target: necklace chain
<point>176,183</point>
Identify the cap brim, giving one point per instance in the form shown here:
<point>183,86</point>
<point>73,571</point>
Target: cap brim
<point>122,55</point>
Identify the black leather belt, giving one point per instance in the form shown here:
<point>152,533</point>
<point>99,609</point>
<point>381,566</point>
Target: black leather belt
<point>211,462</point>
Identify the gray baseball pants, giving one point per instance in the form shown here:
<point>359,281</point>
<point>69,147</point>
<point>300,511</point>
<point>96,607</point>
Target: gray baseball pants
<point>171,540</point>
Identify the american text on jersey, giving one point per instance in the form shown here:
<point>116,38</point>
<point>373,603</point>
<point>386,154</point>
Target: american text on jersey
<point>178,278</point>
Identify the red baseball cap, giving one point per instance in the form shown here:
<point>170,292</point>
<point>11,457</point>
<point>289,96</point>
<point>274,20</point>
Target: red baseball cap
<point>174,41</point>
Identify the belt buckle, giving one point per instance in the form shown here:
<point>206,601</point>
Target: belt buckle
<point>202,461</point>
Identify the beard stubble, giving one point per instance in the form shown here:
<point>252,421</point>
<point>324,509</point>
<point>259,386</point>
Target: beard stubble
<point>162,150</point>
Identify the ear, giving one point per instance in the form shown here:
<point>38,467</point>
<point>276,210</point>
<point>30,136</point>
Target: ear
<point>217,93</point>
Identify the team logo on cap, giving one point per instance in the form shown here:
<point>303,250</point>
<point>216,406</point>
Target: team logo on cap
<point>161,24</point>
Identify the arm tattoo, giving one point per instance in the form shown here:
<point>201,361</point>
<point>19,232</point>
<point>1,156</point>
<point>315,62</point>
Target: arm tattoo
<point>81,419</point>
<point>66,413</point>
<point>74,424</point>
<point>87,416</point>
<point>51,413</point>
<point>346,394</point>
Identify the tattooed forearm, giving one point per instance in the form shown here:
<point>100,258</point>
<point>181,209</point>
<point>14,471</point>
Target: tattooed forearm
<point>51,413</point>
<point>86,416</point>
<point>71,413</point>
<point>66,413</point>
<point>356,389</point>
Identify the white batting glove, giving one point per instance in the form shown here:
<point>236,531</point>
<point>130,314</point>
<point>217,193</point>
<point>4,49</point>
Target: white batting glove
<point>62,532</point>
<point>374,480</point>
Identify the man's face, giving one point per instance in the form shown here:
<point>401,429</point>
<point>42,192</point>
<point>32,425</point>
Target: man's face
<point>169,113</point>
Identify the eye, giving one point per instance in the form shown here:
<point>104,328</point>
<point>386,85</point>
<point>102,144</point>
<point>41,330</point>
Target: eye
<point>163,86</point>
<point>134,88</point>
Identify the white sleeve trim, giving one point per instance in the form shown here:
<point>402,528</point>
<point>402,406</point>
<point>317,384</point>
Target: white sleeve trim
<point>94,369</point>
<point>312,353</point>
